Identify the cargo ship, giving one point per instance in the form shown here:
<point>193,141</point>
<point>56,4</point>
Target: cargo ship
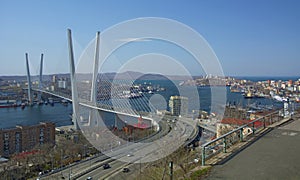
<point>8,103</point>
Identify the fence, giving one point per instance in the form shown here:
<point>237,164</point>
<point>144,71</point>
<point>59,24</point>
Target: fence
<point>240,134</point>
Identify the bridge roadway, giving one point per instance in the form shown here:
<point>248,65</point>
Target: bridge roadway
<point>143,152</point>
<point>93,162</point>
<point>81,170</point>
<point>88,104</point>
<point>207,127</point>
<point>273,156</point>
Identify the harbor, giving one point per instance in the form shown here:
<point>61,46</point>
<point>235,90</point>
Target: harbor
<point>30,115</point>
<point>59,111</point>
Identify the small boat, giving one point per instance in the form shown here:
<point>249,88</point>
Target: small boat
<point>64,102</point>
<point>51,102</point>
<point>23,105</point>
<point>40,103</point>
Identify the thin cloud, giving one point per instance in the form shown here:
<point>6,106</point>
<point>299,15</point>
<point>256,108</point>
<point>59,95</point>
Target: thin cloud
<point>134,40</point>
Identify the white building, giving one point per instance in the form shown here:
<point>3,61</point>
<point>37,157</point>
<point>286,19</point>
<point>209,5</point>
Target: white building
<point>62,84</point>
<point>178,105</point>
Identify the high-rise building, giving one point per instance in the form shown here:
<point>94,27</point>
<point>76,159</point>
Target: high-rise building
<point>25,138</point>
<point>62,84</point>
<point>178,105</point>
<point>54,79</point>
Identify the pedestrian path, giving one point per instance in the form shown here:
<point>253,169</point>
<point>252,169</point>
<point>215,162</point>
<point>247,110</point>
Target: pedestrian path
<point>276,155</point>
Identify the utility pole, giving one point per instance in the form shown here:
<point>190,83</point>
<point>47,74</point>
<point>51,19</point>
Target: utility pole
<point>141,167</point>
<point>61,160</point>
<point>51,162</point>
<point>171,170</point>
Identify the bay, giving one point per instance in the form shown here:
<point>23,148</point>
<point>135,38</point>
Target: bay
<point>199,98</point>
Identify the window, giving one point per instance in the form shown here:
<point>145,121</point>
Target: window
<point>18,142</point>
<point>6,144</point>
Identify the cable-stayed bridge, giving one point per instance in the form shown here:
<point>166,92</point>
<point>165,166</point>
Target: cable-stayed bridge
<point>94,91</point>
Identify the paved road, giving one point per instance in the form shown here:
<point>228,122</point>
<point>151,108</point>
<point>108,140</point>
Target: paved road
<point>142,152</point>
<point>77,168</point>
<point>100,172</point>
<point>274,156</point>
<point>148,152</point>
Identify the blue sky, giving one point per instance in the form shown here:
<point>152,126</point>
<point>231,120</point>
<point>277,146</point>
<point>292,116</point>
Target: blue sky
<point>250,38</point>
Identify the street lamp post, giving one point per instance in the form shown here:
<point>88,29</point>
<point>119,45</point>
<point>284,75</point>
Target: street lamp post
<point>84,150</point>
<point>51,161</point>
<point>70,172</point>
<point>61,157</point>
<point>90,156</point>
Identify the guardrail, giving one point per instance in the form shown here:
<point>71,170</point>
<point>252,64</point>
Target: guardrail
<point>227,140</point>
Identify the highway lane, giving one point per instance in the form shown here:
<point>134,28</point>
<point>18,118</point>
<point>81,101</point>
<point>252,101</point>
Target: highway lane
<point>99,173</point>
<point>133,169</point>
<point>76,168</point>
<point>85,165</point>
<point>180,132</point>
<point>207,126</point>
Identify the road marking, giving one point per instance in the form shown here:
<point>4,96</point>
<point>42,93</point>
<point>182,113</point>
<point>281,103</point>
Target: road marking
<point>289,133</point>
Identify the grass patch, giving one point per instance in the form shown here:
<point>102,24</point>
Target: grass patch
<point>199,173</point>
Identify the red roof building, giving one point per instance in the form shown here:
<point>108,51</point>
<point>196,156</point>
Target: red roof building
<point>238,122</point>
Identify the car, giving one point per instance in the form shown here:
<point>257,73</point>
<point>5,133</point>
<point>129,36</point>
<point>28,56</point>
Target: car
<point>129,155</point>
<point>89,178</point>
<point>106,166</point>
<point>125,170</point>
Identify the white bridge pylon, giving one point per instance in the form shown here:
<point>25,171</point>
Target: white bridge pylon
<point>92,113</point>
<point>92,104</point>
<point>73,82</point>
<point>30,97</point>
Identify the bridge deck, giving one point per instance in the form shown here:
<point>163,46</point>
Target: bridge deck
<point>134,114</point>
<point>274,156</point>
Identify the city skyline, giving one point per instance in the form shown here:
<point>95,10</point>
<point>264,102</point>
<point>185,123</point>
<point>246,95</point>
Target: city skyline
<point>249,38</point>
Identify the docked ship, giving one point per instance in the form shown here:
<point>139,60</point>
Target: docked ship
<point>8,103</point>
